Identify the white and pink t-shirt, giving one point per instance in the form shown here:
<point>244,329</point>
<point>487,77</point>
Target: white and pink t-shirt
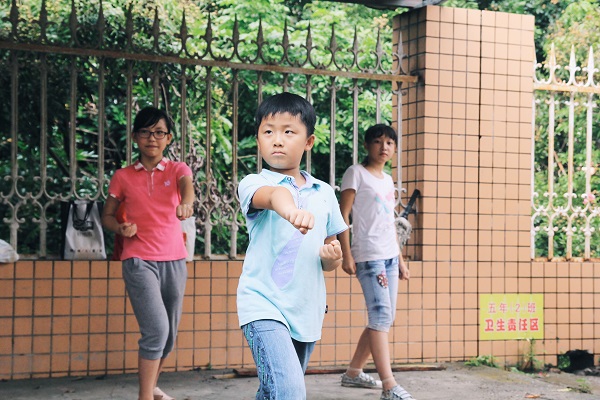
<point>374,234</point>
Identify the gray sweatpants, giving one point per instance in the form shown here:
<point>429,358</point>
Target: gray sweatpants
<point>155,290</point>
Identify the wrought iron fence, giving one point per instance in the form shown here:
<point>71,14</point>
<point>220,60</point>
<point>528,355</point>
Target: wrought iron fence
<point>565,215</point>
<point>72,85</point>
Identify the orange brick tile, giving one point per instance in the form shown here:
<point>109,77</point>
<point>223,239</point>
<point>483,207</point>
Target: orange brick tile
<point>99,287</point>
<point>81,269</point>
<point>115,270</point>
<point>115,360</point>
<point>446,14</point>
<point>79,344</point>
<point>97,343</point>
<point>43,269</point>
<point>24,271</point>
<point>23,307</point>
<point>99,269</point>
<point>62,270</point>
<point>116,287</point>
<point>42,287</point>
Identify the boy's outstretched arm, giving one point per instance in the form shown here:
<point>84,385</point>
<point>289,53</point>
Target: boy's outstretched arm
<point>185,209</point>
<point>331,254</point>
<point>280,200</point>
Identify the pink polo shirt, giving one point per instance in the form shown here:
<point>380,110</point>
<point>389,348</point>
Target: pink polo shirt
<point>151,198</point>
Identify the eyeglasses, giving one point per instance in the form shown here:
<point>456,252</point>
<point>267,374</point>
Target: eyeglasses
<point>145,134</point>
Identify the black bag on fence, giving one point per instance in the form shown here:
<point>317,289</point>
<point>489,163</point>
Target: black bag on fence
<point>83,238</point>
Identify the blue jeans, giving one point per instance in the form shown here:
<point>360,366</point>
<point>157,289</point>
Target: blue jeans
<point>280,360</point>
<point>379,282</point>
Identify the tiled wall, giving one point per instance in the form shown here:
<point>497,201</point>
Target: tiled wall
<point>62,318</point>
<point>466,146</point>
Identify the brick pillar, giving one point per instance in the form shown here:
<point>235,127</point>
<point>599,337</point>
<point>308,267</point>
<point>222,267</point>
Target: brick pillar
<point>467,147</point>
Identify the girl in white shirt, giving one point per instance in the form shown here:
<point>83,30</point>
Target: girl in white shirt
<point>368,195</point>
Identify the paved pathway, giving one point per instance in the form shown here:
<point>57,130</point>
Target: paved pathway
<point>454,381</point>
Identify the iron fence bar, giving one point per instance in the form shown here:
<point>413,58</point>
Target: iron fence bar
<point>101,128</point>
<point>569,207</point>
<point>209,178</point>
<point>332,127</point>
<point>589,170</point>
<point>550,193</point>
<point>354,121</point>
<point>234,177</point>
<point>378,103</point>
<point>286,84</point>
<point>184,114</point>
<point>14,128</point>
<point>399,147</point>
<point>310,100</point>
<point>43,152</point>
<point>533,229</point>
<point>156,84</point>
<point>259,91</point>
<point>129,112</point>
<point>563,88</point>
<point>72,130</point>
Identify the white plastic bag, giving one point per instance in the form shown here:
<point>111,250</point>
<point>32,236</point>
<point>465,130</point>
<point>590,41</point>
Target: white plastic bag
<point>7,253</point>
<point>188,226</point>
<point>83,235</point>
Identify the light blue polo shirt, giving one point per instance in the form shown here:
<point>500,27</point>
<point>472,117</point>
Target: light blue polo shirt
<point>282,278</point>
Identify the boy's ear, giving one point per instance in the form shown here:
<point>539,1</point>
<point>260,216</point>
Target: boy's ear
<point>310,142</point>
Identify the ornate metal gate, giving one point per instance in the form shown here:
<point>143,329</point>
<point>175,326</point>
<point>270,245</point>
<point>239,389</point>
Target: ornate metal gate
<point>565,219</point>
<point>72,91</point>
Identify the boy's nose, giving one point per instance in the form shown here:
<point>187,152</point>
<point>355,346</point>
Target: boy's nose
<point>277,139</point>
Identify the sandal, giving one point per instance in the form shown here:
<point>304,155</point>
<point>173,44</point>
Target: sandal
<point>160,395</point>
<point>396,393</point>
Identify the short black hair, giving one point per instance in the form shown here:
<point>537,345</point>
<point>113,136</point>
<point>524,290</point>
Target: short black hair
<point>149,116</point>
<point>381,130</point>
<point>287,103</point>
<point>377,131</point>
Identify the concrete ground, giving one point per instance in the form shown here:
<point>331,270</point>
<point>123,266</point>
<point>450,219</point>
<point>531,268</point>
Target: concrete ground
<point>450,382</point>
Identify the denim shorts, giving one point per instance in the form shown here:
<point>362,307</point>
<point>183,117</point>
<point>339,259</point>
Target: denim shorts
<point>379,282</point>
<point>280,360</point>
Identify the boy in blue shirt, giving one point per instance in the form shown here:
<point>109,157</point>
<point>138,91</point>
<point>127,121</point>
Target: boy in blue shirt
<point>293,220</point>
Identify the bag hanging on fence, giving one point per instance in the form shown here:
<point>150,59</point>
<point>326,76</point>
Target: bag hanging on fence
<point>83,238</point>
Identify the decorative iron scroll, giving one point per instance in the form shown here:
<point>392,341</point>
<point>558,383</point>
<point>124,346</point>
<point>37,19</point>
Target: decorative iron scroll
<point>72,101</point>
